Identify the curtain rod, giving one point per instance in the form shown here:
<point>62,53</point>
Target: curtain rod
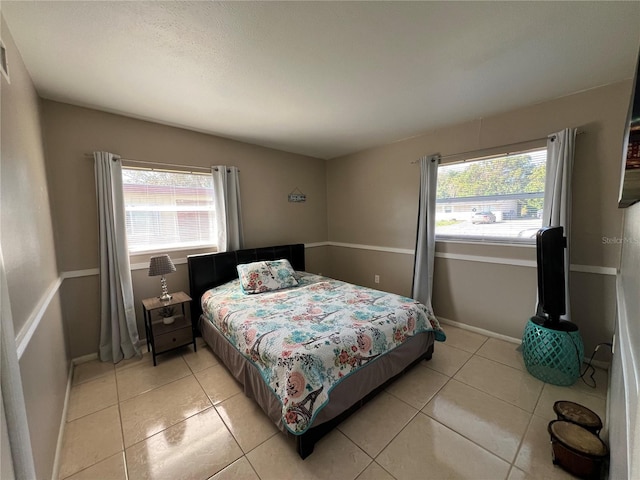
<point>160,165</point>
<point>508,145</point>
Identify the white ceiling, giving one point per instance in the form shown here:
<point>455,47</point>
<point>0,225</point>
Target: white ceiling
<point>320,78</point>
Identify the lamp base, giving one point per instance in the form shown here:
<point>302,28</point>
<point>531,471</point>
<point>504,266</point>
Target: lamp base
<point>554,353</point>
<point>165,297</point>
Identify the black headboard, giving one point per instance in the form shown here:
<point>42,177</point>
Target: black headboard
<point>209,270</point>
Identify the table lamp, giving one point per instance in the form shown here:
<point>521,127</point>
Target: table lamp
<point>161,265</point>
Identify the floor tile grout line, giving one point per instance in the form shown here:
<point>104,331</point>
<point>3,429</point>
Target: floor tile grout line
<point>469,332</point>
<point>231,433</point>
<point>168,427</point>
<point>512,464</point>
<point>396,435</point>
<point>471,440</point>
<point>251,465</point>
<point>177,423</point>
<point>500,362</point>
<point>492,396</point>
<point>359,448</point>
<point>374,461</point>
<point>459,368</point>
<point>373,457</point>
<point>515,459</point>
<point>467,438</point>
<point>124,448</point>
<point>102,375</point>
<point>92,465</point>
<point>156,387</point>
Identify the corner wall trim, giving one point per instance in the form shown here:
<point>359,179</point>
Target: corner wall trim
<point>26,332</point>
<point>594,269</point>
<point>80,273</point>
<point>317,244</point>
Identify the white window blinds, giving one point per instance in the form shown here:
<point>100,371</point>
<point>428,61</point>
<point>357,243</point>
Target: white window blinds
<point>168,210</point>
<point>494,199</point>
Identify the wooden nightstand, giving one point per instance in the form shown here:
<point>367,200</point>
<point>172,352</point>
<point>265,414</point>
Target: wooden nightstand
<point>163,337</point>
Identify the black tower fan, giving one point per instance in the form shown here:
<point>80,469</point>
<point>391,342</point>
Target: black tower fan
<point>552,348</point>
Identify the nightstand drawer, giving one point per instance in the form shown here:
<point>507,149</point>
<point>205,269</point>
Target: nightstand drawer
<point>174,339</point>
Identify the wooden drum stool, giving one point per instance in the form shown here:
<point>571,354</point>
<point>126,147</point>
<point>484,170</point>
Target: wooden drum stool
<point>577,450</point>
<point>578,414</point>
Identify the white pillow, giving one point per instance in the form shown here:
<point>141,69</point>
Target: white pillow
<point>258,277</point>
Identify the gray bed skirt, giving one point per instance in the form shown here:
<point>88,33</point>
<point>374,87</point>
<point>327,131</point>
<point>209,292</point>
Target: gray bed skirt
<point>346,394</point>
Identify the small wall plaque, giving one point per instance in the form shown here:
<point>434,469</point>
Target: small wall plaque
<point>296,196</point>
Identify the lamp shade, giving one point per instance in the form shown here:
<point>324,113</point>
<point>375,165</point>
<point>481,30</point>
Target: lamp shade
<point>161,265</point>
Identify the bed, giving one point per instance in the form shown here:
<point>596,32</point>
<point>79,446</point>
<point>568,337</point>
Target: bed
<point>305,359</point>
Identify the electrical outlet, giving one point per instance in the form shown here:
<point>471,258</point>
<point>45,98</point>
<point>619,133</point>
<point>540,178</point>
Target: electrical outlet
<point>376,278</point>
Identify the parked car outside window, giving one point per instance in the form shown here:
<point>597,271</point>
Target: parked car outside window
<point>483,217</point>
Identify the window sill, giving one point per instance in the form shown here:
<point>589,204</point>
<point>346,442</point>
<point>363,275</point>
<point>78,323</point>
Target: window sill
<point>528,243</point>
<point>140,260</point>
<point>172,249</point>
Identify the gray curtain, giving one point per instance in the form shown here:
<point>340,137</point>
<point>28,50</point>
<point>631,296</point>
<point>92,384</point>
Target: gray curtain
<point>426,237</point>
<point>12,394</point>
<point>118,329</point>
<point>226,194</point>
<point>557,195</point>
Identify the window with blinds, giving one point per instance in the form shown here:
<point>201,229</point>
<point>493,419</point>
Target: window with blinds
<point>168,210</point>
<point>492,199</point>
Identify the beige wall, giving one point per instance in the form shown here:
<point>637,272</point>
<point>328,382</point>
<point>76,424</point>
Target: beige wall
<point>380,187</point>
<point>267,176</point>
<point>27,232</point>
<point>30,259</point>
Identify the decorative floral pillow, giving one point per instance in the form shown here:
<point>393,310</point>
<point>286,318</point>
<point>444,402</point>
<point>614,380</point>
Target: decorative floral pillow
<point>258,277</point>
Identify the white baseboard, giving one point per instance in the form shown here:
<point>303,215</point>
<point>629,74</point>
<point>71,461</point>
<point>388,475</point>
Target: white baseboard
<point>517,341</point>
<point>84,358</point>
<point>63,423</point>
<point>481,331</point>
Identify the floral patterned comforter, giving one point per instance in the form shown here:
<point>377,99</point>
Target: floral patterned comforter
<point>304,340</point>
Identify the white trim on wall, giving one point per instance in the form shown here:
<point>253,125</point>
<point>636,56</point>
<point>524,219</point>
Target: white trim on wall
<point>26,332</point>
<point>478,258</point>
<point>506,338</point>
<point>481,331</point>
<point>317,244</point>
<point>403,251</point>
<point>63,422</point>
<point>482,259</point>
<point>80,273</point>
<point>594,269</point>
<point>144,265</point>
<point>29,328</point>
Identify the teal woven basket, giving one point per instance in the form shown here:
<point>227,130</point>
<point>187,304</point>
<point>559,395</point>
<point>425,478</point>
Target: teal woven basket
<point>553,356</point>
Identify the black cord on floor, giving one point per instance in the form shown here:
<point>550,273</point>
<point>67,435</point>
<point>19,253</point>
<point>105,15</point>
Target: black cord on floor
<point>590,367</point>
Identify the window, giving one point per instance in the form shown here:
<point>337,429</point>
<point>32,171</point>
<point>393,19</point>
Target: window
<point>495,199</point>
<point>168,210</point>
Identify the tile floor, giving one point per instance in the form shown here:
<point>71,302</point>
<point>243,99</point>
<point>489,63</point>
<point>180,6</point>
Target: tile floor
<point>471,412</point>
